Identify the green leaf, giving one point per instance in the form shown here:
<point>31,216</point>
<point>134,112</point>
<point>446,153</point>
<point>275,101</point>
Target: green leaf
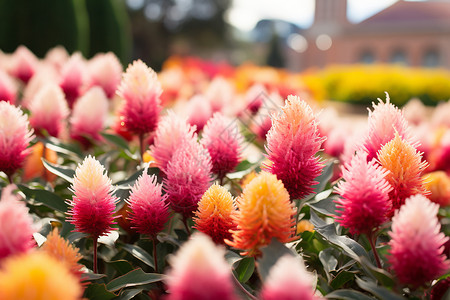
<point>270,255</point>
<point>245,269</point>
<point>383,277</point>
<point>232,257</point>
<point>45,197</point>
<point>243,165</point>
<point>116,140</point>
<point>348,295</point>
<point>140,254</point>
<point>64,172</point>
<point>57,146</point>
<point>98,291</point>
<point>341,278</point>
<point>91,276</point>
<point>329,262</point>
<point>378,291</point>
<point>121,266</point>
<point>129,294</point>
<point>322,179</point>
<point>134,278</point>
<point>325,206</point>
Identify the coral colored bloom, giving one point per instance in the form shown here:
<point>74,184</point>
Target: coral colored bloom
<point>16,225</point>
<point>171,133</point>
<point>292,144</point>
<point>304,225</point>
<point>63,251</point>
<point>223,140</point>
<point>105,71</point>
<point>417,243</point>
<point>8,88</point>
<point>24,64</point>
<point>14,138</point>
<point>49,110</point>
<point>365,195</point>
<point>214,214</point>
<point>149,209</point>
<point>73,77</point>
<point>37,276</point>
<point>89,116</point>
<point>34,167</point>
<point>264,212</point>
<point>384,121</point>
<point>406,166</point>
<point>199,111</point>
<point>438,183</point>
<point>187,177</point>
<point>92,207</point>
<point>199,272</point>
<point>288,279</point>
<point>141,92</point>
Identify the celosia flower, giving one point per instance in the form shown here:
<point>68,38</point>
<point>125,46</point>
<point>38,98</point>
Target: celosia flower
<point>199,111</point>
<point>105,71</point>
<point>171,133</point>
<point>304,225</point>
<point>63,251</point>
<point>149,209</point>
<point>406,166</point>
<point>438,183</point>
<point>34,167</point>
<point>37,276</point>
<point>48,110</point>
<point>219,93</point>
<point>44,75</point>
<point>8,88</point>
<point>365,195</point>
<point>417,243</point>
<point>14,138</point>
<point>187,177</point>
<point>255,97</point>
<point>289,279</point>
<point>92,207</point>
<point>199,272</point>
<point>16,225</point>
<point>24,64</point>
<point>292,144</point>
<point>264,212</point>
<point>214,214</point>
<point>72,78</point>
<point>56,57</point>
<point>140,90</point>
<point>89,116</point>
<point>384,121</point>
<point>222,138</point>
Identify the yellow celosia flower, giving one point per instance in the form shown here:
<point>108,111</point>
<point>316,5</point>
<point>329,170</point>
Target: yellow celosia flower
<point>439,185</point>
<point>304,225</point>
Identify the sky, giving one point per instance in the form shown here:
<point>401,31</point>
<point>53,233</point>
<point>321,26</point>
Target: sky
<point>244,14</point>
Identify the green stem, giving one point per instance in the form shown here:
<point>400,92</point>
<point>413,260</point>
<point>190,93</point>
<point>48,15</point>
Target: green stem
<point>186,226</point>
<point>141,146</point>
<point>95,255</point>
<point>372,237</point>
<point>155,259</point>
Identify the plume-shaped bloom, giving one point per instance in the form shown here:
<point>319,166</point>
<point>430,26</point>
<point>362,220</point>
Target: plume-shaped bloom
<point>219,93</point>
<point>365,195</point>
<point>14,138</point>
<point>214,216</point>
<point>16,225</point>
<point>223,140</point>
<point>187,177</point>
<point>384,121</point>
<point>44,75</point>
<point>56,57</point>
<point>149,208</point>
<point>73,77</point>
<point>288,279</point>
<point>63,251</point>
<point>89,116</point>
<point>141,91</point>
<point>92,207</point>
<point>199,272</point>
<point>24,64</point>
<point>438,183</point>
<point>37,276</point>
<point>105,71</point>
<point>199,111</point>
<point>172,132</point>
<point>292,144</point>
<point>8,88</point>
<point>264,212</point>
<point>48,110</point>
<point>417,243</point>
<point>405,167</point>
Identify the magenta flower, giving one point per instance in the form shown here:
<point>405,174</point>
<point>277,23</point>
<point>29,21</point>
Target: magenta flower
<point>417,245</point>
<point>199,272</point>
<point>365,195</point>
<point>73,77</point>
<point>223,140</point>
<point>16,225</point>
<point>292,144</point>
<point>289,279</point>
<point>199,111</point>
<point>49,110</point>
<point>8,88</point>
<point>149,209</point>
<point>105,71</point>
<point>24,64</point>
<point>14,138</point>
<point>92,207</point>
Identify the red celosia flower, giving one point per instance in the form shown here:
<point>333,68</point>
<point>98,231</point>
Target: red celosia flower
<point>92,207</point>
<point>406,166</point>
<point>72,78</point>
<point>199,272</point>
<point>14,138</point>
<point>222,138</point>
<point>49,110</point>
<point>105,71</point>
<point>289,279</point>
<point>365,195</point>
<point>214,216</point>
<point>16,225</point>
<point>292,144</point>
<point>417,243</point>
<point>24,64</point>
<point>187,177</point>
<point>8,88</point>
<point>199,111</point>
<point>149,209</point>
<point>141,91</point>
<point>264,212</point>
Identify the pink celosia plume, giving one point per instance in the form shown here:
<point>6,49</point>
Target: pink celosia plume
<point>105,71</point>
<point>24,64</point>
<point>199,111</point>
<point>73,78</point>
<point>8,88</point>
